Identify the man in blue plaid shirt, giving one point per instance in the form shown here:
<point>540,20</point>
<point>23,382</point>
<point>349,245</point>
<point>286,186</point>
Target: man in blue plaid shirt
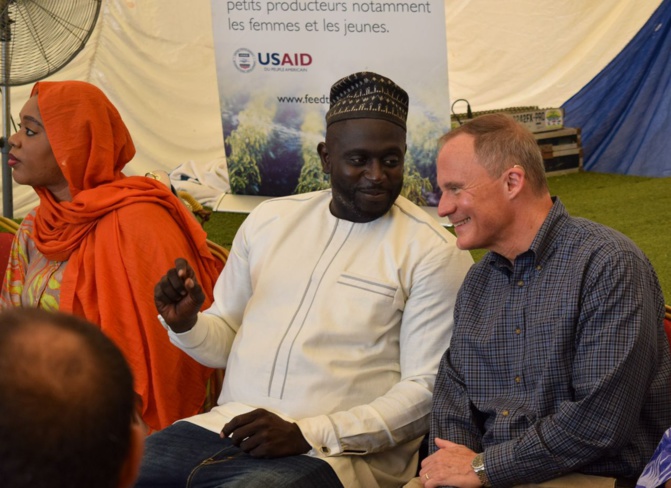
<point>558,368</point>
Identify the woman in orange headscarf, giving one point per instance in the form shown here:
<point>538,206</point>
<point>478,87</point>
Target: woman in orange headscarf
<point>99,241</point>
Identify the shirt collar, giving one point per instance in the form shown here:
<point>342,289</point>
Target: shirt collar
<point>543,244</point>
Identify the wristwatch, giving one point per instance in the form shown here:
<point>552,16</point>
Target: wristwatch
<point>478,466</point>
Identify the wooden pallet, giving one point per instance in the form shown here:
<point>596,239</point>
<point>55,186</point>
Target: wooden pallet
<point>561,150</point>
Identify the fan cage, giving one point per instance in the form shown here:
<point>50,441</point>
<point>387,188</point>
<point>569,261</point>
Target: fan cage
<point>39,37</point>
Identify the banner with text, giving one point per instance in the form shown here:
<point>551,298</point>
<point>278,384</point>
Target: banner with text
<point>276,61</point>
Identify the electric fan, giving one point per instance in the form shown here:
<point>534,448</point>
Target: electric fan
<point>37,38</point>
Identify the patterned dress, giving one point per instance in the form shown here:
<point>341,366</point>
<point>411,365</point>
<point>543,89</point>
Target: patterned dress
<point>31,280</point>
<point>658,470</point>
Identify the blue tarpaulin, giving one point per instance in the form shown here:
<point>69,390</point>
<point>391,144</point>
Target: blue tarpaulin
<point>625,111</point>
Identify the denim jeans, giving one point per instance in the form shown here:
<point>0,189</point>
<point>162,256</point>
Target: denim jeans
<point>187,456</point>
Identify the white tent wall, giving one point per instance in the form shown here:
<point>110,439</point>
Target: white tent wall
<point>534,52</point>
<point>155,61</point>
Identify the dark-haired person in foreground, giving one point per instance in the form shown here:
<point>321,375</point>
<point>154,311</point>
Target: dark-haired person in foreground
<point>68,414</point>
<point>558,368</point>
<point>330,317</point>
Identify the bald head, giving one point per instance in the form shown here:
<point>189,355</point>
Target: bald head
<point>56,360</point>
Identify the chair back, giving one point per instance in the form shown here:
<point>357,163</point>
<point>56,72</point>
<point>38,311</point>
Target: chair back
<point>6,240</point>
<point>8,225</point>
<point>667,323</point>
<point>219,252</point>
<point>8,229</point>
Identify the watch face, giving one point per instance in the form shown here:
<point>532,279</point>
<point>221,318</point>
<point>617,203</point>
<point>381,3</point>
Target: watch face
<point>478,465</point>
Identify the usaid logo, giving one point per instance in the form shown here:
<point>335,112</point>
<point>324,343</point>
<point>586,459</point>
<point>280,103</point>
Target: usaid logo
<point>244,60</point>
<point>285,59</point>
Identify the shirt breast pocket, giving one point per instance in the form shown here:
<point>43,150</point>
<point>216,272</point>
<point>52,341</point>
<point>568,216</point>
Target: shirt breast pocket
<point>372,292</point>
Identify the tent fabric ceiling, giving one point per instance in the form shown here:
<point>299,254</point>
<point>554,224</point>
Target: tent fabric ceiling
<point>155,61</point>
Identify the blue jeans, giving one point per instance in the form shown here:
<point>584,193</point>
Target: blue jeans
<point>187,456</point>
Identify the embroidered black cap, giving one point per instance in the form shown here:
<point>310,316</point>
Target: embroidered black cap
<point>367,95</point>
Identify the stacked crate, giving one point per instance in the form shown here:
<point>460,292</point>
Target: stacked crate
<point>561,146</point>
<point>561,149</point>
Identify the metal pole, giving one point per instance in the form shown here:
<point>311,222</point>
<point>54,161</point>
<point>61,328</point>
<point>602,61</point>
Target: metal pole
<point>7,200</point>
<point>5,37</point>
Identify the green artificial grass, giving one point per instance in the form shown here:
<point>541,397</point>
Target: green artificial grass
<point>638,207</point>
<point>222,226</point>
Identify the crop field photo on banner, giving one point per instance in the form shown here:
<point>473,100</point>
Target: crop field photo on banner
<point>276,62</point>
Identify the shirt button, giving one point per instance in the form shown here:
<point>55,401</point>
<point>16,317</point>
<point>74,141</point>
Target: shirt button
<point>325,450</point>
<point>518,331</point>
<point>518,379</point>
<point>520,283</point>
<point>505,413</point>
<point>539,267</point>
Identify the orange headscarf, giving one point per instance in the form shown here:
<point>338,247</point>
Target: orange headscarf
<point>119,235</point>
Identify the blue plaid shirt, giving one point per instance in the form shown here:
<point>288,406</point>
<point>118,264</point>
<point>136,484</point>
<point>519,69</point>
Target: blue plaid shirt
<point>558,362</point>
